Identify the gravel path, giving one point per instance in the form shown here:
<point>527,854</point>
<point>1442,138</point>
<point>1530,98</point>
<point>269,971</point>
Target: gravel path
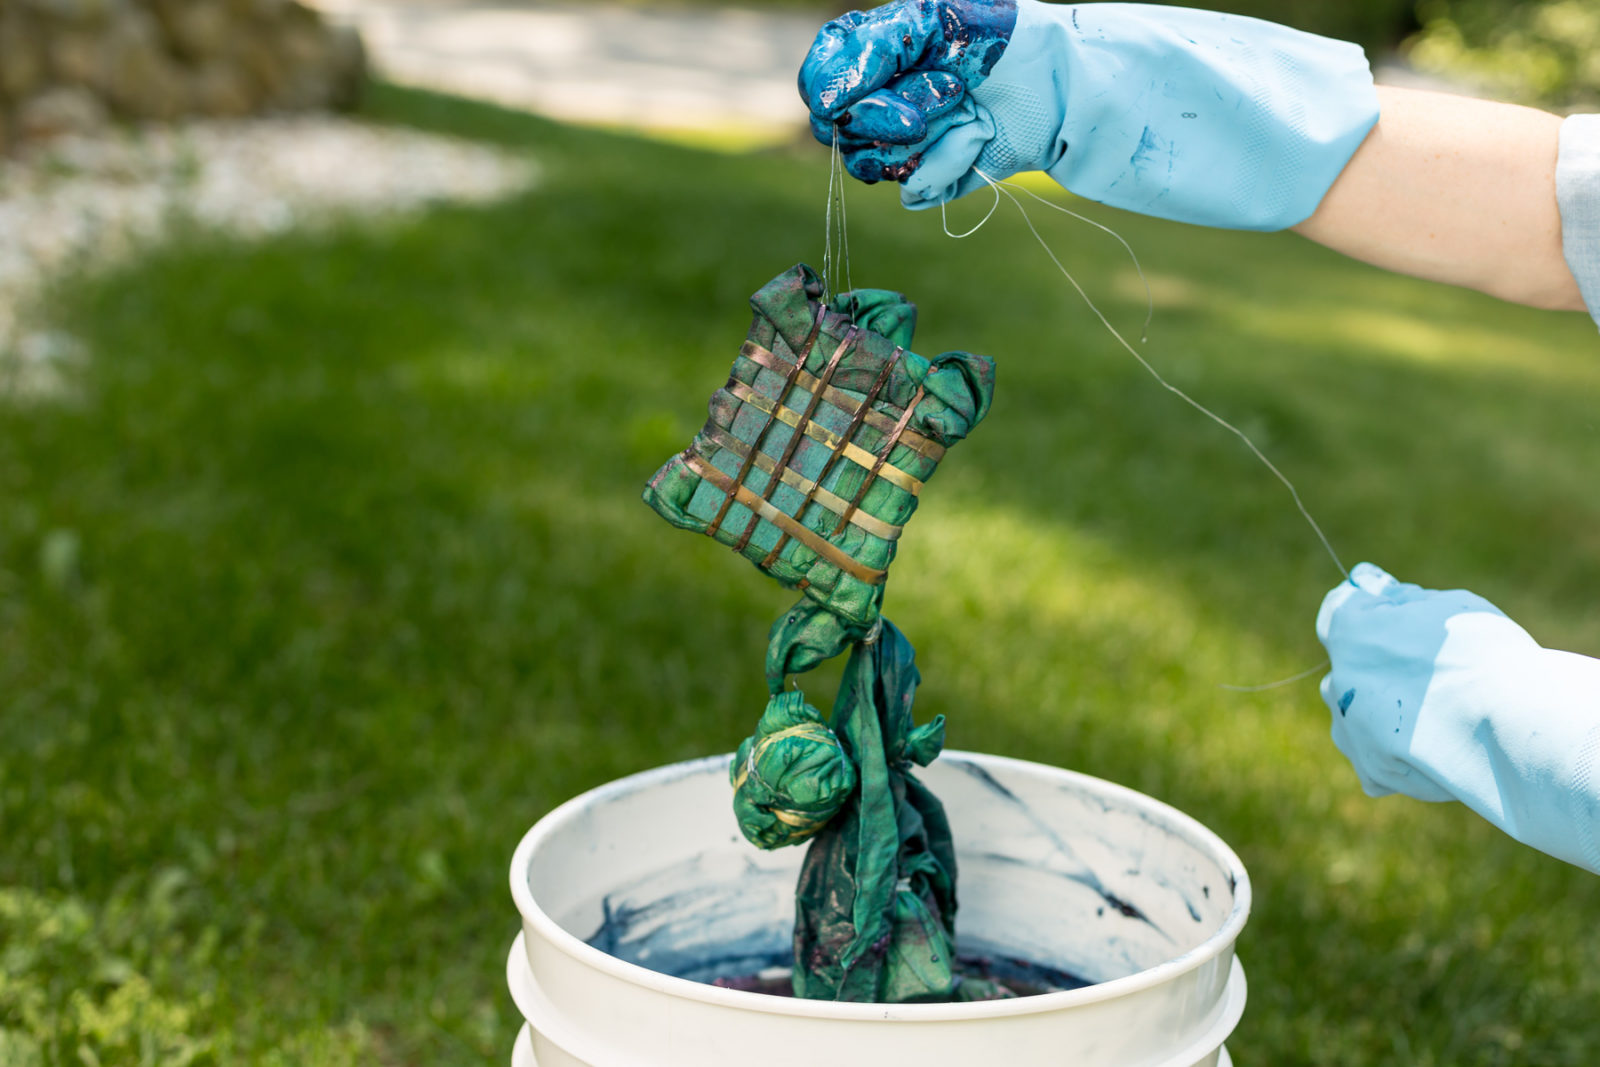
<point>671,67</point>
<point>94,199</point>
<point>91,200</point>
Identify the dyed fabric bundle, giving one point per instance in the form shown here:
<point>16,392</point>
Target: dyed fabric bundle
<point>810,466</point>
<point>792,776</point>
<point>817,449</point>
<point>876,905</point>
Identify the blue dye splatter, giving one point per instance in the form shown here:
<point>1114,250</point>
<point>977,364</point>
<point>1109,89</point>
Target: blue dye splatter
<point>684,949</point>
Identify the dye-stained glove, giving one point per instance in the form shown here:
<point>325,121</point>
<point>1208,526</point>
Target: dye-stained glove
<point>1440,696</point>
<point>1196,116</point>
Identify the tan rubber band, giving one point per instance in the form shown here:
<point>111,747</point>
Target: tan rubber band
<point>883,459</point>
<point>843,401</point>
<point>833,457</point>
<point>845,345</point>
<point>801,820</point>
<point>794,480</point>
<point>804,534</point>
<point>816,731</point>
<point>854,453</point>
<point>794,372</point>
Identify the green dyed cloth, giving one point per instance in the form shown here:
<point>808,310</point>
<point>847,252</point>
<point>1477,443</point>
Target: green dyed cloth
<point>876,902</point>
<point>792,776</point>
<point>809,465</point>
<point>875,907</point>
<point>951,395</point>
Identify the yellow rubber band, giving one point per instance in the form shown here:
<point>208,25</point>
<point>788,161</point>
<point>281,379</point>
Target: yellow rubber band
<point>804,534</point>
<point>793,479</point>
<point>854,453</point>
<point>843,401</point>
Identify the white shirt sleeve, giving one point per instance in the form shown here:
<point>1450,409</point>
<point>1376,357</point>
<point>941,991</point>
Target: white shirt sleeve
<point>1578,191</point>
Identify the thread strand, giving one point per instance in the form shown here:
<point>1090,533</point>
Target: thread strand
<point>1280,683</point>
<point>1294,493</point>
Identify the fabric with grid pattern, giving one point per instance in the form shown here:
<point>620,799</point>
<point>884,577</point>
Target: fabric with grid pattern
<point>825,405</point>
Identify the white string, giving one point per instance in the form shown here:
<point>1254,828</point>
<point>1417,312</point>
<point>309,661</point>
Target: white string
<point>1149,296</point>
<point>835,249</point>
<point>1191,401</point>
<point>844,216</point>
<point>945,219</point>
<point>1318,669</point>
<point>827,222</point>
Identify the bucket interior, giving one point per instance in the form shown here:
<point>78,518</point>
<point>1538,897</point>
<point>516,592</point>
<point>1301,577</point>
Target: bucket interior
<point>1056,871</point>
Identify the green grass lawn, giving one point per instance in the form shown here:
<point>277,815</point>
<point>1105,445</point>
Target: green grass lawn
<point>331,577</point>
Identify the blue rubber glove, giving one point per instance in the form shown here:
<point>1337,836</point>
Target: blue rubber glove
<point>1195,116</point>
<point>1440,696</point>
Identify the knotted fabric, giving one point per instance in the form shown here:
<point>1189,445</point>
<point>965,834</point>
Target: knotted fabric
<point>791,777</point>
<point>811,463</point>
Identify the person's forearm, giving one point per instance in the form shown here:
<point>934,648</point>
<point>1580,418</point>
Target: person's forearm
<point>1455,190</point>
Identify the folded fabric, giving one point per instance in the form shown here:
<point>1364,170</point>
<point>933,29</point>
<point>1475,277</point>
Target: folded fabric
<point>817,448</point>
<point>875,907</point>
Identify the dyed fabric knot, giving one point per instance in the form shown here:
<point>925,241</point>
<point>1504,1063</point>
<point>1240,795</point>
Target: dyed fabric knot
<point>921,746</point>
<point>791,777</point>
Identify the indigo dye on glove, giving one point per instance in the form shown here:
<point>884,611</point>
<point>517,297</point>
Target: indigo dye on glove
<point>893,76</point>
<point>1195,116</point>
<point>1438,695</point>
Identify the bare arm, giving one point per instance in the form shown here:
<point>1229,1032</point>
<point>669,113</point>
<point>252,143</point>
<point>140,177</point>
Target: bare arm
<point>1455,190</point>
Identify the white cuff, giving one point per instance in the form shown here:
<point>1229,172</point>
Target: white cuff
<point>1578,192</point>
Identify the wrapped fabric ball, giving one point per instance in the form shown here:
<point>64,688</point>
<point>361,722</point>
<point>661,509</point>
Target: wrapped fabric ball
<point>791,777</point>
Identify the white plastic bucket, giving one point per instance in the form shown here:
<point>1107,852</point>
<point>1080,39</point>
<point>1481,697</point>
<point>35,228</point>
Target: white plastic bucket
<point>1056,868</point>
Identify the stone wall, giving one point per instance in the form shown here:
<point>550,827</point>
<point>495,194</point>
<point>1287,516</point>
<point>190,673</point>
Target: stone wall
<point>69,65</point>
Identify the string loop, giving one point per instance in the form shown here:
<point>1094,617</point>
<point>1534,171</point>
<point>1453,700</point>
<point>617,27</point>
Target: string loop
<point>945,218</point>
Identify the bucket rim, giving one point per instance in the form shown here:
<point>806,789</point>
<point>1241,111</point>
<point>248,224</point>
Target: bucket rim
<point>1220,941</point>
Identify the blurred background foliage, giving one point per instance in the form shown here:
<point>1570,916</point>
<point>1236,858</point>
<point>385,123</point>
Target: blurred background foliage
<point>1380,25</point>
<point>1533,52</point>
<point>331,578</point>
<point>1544,52</point>
<point>1541,52</point>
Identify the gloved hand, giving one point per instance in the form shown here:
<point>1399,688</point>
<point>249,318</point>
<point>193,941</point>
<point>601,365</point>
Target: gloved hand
<point>1196,116</point>
<point>1440,696</point>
